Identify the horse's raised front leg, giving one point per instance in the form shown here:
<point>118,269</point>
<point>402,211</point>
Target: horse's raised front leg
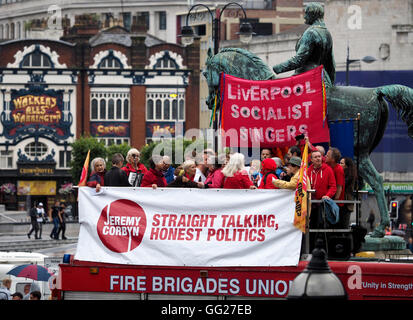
<point>369,173</point>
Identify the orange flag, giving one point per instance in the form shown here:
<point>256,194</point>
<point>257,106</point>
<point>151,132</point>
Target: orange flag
<point>83,176</point>
<point>301,193</point>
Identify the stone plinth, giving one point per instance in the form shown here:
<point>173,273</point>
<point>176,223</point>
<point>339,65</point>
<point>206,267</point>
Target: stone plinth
<point>383,244</point>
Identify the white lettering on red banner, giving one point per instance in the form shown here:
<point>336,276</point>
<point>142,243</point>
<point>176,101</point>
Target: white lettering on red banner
<point>188,227</point>
<point>272,113</point>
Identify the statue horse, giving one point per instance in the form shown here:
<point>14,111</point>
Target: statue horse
<point>342,103</point>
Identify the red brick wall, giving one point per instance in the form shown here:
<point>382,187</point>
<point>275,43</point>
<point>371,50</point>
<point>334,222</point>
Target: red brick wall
<point>137,116</point>
<point>66,52</point>
<point>192,91</point>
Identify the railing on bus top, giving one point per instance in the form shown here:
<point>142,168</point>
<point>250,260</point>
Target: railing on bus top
<point>356,201</point>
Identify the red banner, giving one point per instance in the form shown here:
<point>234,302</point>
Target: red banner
<point>272,113</point>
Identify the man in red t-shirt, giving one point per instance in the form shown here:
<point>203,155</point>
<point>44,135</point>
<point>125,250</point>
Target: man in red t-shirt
<point>333,157</point>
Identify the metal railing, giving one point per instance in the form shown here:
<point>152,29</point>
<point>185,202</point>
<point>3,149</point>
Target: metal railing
<point>356,202</point>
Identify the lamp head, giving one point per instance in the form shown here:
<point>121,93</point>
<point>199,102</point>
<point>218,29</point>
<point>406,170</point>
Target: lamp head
<point>245,32</point>
<point>317,281</point>
<point>187,35</point>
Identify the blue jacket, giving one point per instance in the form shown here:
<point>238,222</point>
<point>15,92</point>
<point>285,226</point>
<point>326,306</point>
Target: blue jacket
<point>331,210</point>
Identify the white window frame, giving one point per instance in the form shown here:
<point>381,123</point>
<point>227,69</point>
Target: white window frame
<point>6,159</point>
<point>116,140</point>
<point>106,96</point>
<point>162,96</point>
<point>32,153</point>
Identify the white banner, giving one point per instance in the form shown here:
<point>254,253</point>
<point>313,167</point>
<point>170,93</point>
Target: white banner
<point>188,227</point>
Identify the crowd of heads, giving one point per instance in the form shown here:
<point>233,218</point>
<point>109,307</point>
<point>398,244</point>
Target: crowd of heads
<point>204,162</point>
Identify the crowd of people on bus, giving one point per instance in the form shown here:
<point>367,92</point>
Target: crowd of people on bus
<point>330,175</point>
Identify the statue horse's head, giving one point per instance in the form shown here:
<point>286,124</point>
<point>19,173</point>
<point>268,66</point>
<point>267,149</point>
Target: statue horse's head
<point>234,61</point>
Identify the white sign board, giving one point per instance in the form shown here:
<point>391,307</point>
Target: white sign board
<point>188,227</point>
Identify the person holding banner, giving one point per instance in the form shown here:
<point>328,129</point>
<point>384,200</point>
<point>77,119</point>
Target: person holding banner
<point>154,177</point>
<point>235,175</point>
<point>97,177</point>
<point>116,177</point>
<point>215,178</point>
<point>186,180</point>
<point>134,168</point>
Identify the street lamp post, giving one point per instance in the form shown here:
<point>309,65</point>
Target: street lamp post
<point>245,30</point>
<point>366,59</point>
<point>245,33</point>
<point>317,281</point>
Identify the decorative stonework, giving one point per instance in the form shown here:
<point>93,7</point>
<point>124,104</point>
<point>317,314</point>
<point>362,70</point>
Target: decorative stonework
<point>19,56</point>
<point>159,55</point>
<point>104,54</point>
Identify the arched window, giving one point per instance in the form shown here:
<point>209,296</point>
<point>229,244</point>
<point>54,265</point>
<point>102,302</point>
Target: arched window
<point>94,111</point>
<point>118,109</point>
<point>158,110</point>
<point>36,59</point>
<point>166,110</point>
<point>109,106</point>
<point>166,62</point>
<point>149,109</point>
<point>110,63</point>
<point>111,109</point>
<point>102,109</point>
<point>174,110</point>
<point>126,109</point>
<point>181,110</point>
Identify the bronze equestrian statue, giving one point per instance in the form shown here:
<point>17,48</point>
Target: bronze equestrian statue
<point>313,49</point>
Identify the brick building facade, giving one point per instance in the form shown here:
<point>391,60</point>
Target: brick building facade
<point>117,85</point>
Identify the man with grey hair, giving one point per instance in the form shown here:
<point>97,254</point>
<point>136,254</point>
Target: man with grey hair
<point>314,48</point>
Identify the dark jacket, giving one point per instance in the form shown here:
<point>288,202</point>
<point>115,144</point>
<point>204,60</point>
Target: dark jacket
<point>95,178</point>
<point>178,183</point>
<point>116,177</point>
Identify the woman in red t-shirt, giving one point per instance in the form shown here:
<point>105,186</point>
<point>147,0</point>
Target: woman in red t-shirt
<point>235,175</point>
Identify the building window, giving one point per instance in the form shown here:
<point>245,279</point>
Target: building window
<point>165,106</point>
<point>6,159</point>
<point>162,20</point>
<point>36,60</point>
<point>64,158</point>
<point>166,62</point>
<point>145,16</point>
<point>110,63</point>
<point>36,149</point>
<point>109,106</point>
<point>111,141</point>
<point>149,110</point>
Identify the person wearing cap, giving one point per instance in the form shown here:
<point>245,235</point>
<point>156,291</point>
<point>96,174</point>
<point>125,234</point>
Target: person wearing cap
<point>17,296</point>
<point>293,169</point>
<point>41,216</point>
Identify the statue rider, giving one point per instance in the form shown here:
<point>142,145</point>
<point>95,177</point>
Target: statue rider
<point>314,48</point>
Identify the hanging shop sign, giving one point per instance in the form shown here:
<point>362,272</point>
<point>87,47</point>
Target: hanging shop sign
<point>36,188</point>
<point>157,129</point>
<point>36,112</point>
<point>36,170</point>
<point>110,129</point>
